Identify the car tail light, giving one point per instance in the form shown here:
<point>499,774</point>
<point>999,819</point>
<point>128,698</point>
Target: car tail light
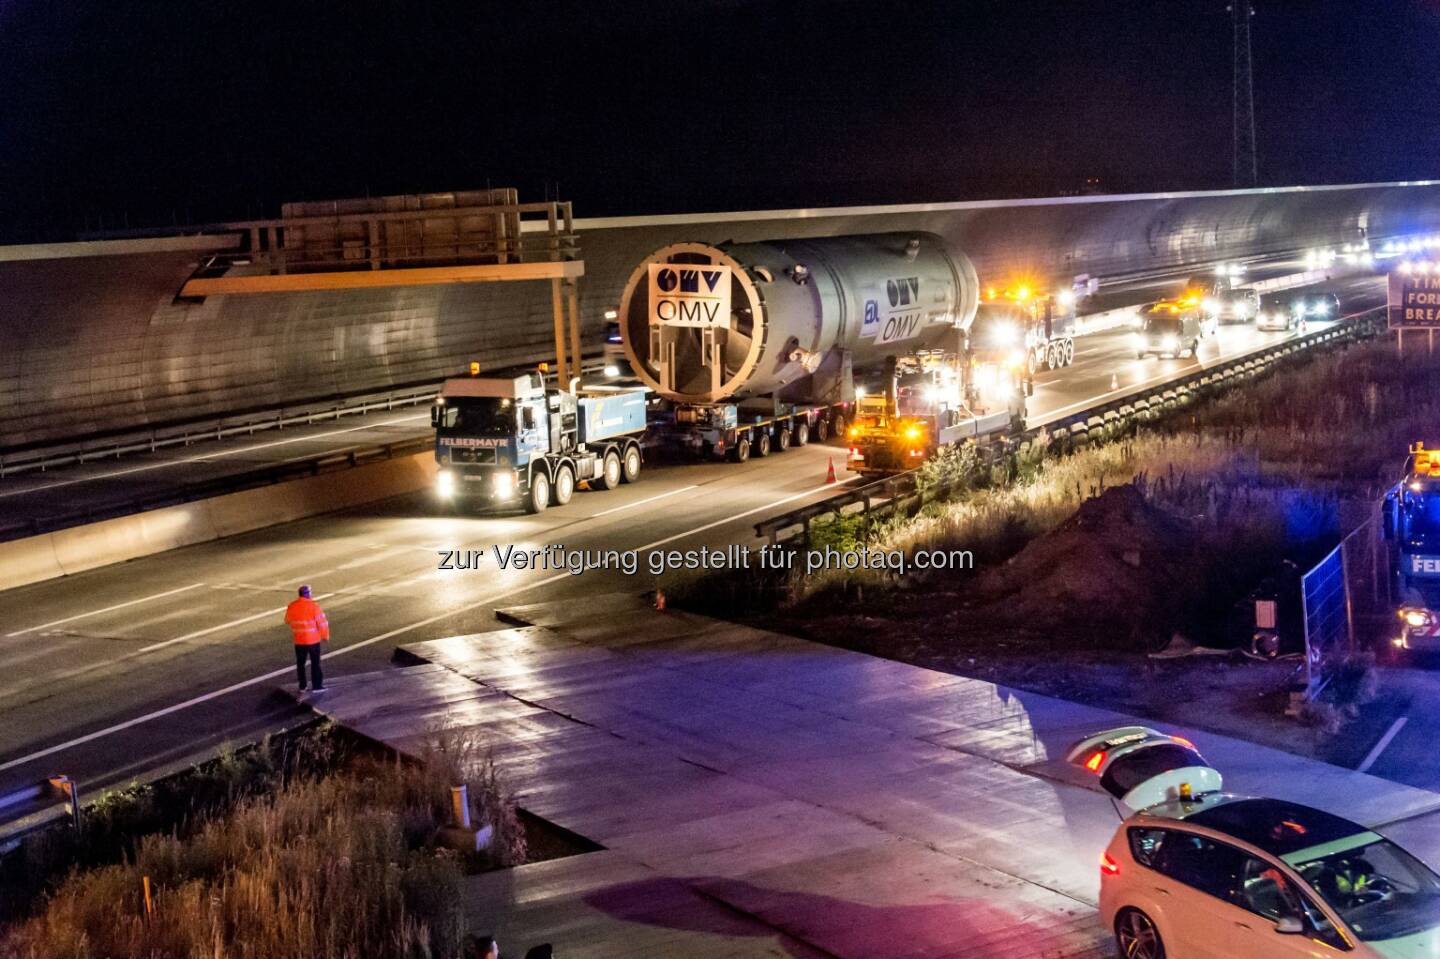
<point>1096,760</point>
<point>1109,866</point>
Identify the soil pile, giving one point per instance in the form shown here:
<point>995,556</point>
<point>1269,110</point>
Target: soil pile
<point>1114,574</point>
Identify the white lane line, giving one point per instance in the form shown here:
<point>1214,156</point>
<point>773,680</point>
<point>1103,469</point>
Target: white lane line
<point>1382,745</point>
<point>421,624</point>
<point>642,502</point>
<point>107,609</point>
<point>207,457</point>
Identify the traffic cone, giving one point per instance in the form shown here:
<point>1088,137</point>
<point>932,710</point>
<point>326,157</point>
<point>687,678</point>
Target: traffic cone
<point>830,473</point>
<point>660,600</point>
<point>1114,381</point>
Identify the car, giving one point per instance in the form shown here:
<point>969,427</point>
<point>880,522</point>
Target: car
<point>1316,306</point>
<point>1170,328</point>
<point>1194,872</point>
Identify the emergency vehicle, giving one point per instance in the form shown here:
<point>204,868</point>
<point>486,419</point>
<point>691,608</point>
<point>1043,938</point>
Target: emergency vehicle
<point>1411,525</point>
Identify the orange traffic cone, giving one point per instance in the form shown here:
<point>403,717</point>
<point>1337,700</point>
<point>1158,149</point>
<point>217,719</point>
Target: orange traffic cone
<point>1114,381</point>
<point>830,473</point>
<point>660,600</point>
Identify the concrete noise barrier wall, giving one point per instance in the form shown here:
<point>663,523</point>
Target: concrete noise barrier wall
<point>69,551</point>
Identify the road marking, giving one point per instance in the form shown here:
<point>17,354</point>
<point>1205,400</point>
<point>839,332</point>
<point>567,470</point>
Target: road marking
<point>616,509</point>
<point>107,609</point>
<point>1382,745</point>
<point>274,673</point>
<point>206,457</point>
<point>215,629</point>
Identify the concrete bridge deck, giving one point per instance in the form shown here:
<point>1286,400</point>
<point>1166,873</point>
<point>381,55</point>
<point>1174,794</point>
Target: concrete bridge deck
<point>759,795</point>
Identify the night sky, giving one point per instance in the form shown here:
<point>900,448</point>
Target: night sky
<point>149,112</point>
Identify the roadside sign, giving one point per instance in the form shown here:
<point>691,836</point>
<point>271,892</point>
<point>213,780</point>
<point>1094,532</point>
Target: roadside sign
<point>1414,301</point>
<point>683,294</point>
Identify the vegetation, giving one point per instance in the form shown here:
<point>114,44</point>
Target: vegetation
<point>331,865</point>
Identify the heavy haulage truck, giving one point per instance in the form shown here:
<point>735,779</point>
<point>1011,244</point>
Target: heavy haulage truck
<point>1411,523</point>
<point>754,347</point>
<point>509,440</point>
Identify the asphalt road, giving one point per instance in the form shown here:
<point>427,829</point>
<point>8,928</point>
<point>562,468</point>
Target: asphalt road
<point>127,668</point>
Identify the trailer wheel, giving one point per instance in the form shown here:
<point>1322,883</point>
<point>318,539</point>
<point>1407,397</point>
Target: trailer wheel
<point>802,433</point>
<point>539,497</point>
<point>1069,352</point>
<point>837,426</point>
<point>631,465</point>
<point>782,439</point>
<point>564,486</point>
<point>740,452</point>
<point>612,471</point>
<point>822,430</point>
<point>762,444</point>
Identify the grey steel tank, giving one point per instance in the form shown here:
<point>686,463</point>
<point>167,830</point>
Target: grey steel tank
<point>709,324</point>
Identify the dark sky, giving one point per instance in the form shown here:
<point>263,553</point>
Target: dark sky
<point>145,111</point>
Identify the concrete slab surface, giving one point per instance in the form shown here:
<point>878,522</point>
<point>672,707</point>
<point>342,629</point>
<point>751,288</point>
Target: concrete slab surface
<point>762,795</point>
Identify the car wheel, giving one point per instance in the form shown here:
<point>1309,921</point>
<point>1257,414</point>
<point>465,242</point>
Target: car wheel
<point>762,444</point>
<point>1137,936</point>
<point>740,452</point>
<point>539,494</point>
<point>564,486</point>
<point>631,464</point>
<point>802,433</point>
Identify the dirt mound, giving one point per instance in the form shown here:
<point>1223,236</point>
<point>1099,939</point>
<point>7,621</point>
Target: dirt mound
<point>1113,573</point>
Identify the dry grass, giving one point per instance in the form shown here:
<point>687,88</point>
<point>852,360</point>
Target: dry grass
<point>336,867</point>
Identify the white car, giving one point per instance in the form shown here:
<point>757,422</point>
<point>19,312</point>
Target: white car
<point>1196,873</point>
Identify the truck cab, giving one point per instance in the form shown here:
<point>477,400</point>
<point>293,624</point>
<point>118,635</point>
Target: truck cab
<point>1411,525</point>
<point>509,440</point>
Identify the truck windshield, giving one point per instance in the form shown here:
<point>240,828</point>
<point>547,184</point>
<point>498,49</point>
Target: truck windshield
<point>1422,518</point>
<point>1162,323</point>
<point>478,416</point>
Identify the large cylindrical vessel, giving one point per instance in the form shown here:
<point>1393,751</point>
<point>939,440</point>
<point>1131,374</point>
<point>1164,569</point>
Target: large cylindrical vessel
<point>710,324</point>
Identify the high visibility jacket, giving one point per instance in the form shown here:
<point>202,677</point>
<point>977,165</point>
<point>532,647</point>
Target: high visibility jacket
<point>307,621</point>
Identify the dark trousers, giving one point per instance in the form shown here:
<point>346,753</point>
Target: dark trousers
<point>312,653</point>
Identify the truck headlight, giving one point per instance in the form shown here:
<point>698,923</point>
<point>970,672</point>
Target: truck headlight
<point>612,371</point>
<point>503,484</point>
<point>1210,305</point>
<point>1242,310</point>
<point>445,484</point>
<point>1170,342</point>
<point>1415,617</point>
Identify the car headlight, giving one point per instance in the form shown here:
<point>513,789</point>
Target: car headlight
<point>612,371</point>
<point>503,484</point>
<point>1321,309</point>
<point>445,484</point>
<point>1415,617</point>
<point>1170,341</point>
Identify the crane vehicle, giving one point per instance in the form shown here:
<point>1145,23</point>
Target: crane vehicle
<point>1042,326</point>
<point>1411,526</point>
<point>509,440</point>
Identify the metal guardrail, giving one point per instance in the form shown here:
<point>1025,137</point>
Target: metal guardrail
<point>231,483</point>
<point>900,493</point>
<point>33,808</point>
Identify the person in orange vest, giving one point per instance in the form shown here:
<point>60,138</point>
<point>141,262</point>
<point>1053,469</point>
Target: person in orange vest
<point>307,621</point>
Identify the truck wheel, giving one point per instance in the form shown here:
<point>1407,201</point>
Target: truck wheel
<point>1069,352</point>
<point>837,427</point>
<point>802,433</point>
<point>564,486</point>
<point>1195,348</point>
<point>822,430</point>
<point>539,497</point>
<point>1032,363</point>
<point>612,472</point>
<point>1139,354</point>
<point>1052,361</point>
<point>740,452</point>
<point>782,439</point>
<point>762,444</point>
<point>630,463</point>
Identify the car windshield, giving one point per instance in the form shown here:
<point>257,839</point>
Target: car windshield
<point>1165,322</point>
<point>478,416</point>
<point>1379,890</point>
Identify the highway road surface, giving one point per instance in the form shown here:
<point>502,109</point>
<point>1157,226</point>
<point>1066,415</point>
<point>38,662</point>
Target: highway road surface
<point>130,667</point>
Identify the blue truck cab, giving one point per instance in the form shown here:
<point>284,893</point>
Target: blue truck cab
<point>509,440</point>
<point>1411,523</point>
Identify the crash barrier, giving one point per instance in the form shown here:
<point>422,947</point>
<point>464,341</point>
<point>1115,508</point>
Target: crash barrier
<point>73,550</point>
<point>101,446</point>
<point>904,494</point>
<point>36,807</point>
